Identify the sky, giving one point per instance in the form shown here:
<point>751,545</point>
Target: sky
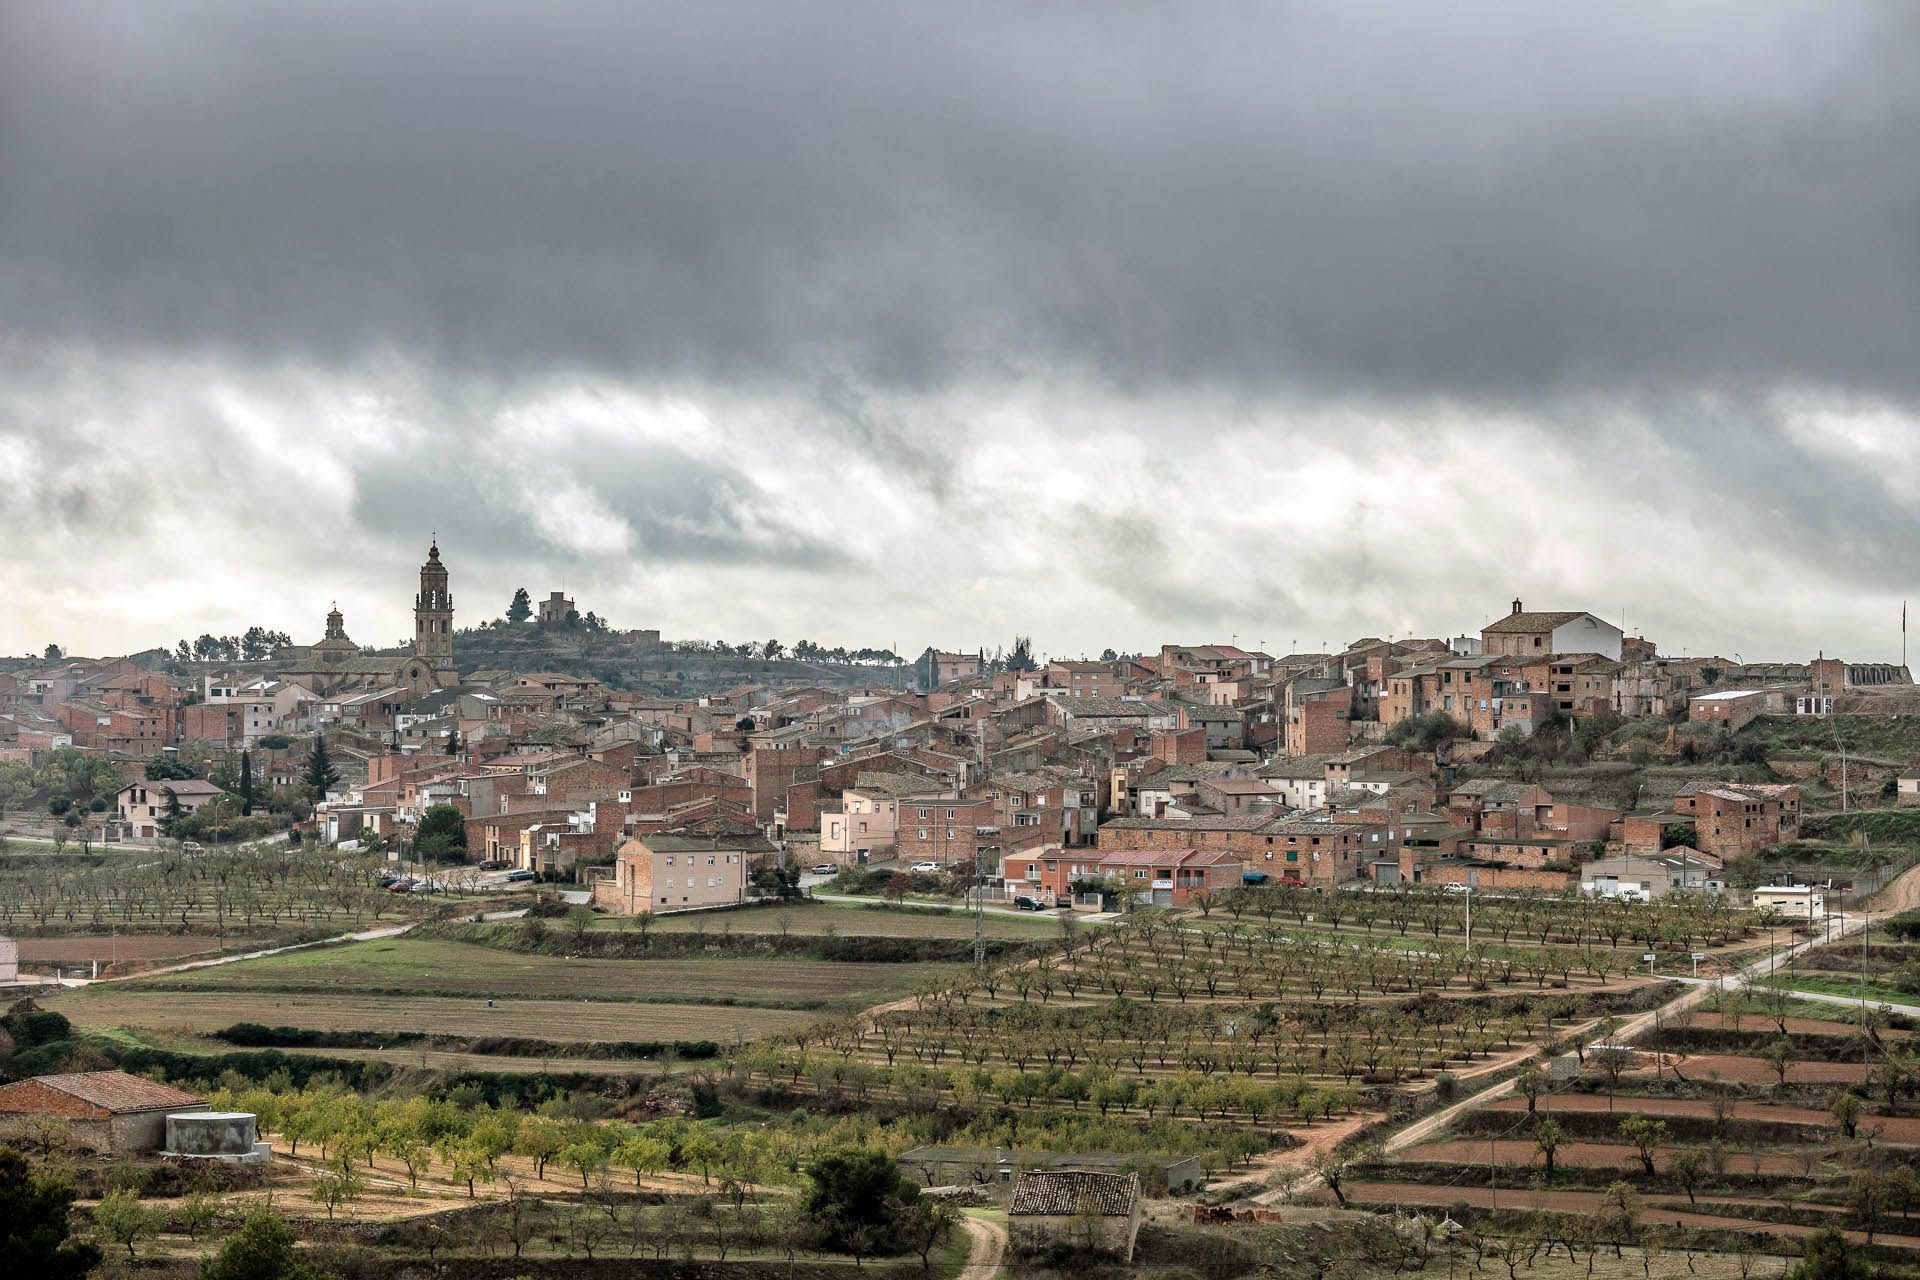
<point>888,324</point>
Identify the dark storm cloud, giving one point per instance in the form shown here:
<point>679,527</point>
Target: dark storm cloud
<point>678,508</point>
<point>1481,201</point>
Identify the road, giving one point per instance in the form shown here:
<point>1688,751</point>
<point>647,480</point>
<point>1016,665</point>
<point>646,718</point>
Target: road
<point>364,935</point>
<point>1852,1002</point>
<point>989,1247</point>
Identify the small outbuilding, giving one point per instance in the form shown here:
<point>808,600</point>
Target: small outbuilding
<point>107,1111</point>
<point>1092,1214</point>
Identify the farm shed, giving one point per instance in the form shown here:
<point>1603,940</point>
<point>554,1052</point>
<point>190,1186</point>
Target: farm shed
<point>108,1111</point>
<point>1091,1213</point>
<point>950,1166</point>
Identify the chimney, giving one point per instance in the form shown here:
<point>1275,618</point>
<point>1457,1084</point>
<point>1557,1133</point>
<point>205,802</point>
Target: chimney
<point>1516,605</point>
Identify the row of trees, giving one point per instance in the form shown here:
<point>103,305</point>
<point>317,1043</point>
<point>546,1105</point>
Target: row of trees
<point>803,650</point>
<point>241,890</point>
<point>1569,916</point>
<point>256,645</point>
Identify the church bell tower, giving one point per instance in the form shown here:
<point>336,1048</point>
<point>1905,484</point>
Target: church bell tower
<point>433,613</point>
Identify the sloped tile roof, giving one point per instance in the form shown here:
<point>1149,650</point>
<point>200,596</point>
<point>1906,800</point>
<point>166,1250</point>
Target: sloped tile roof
<point>1064,1192</point>
<point>118,1091</point>
<point>1530,623</point>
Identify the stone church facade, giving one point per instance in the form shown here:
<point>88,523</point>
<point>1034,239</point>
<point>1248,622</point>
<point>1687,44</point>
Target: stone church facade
<point>336,665</point>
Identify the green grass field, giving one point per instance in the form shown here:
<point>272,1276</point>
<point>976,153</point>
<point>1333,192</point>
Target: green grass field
<point>558,1020</point>
<point>1842,984</point>
<point>847,921</point>
<point>435,967</point>
<point>443,988</point>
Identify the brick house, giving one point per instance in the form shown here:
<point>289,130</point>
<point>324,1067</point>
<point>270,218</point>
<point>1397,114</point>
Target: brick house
<point>1049,872</point>
<point>1169,877</point>
<point>946,831</point>
<point>663,873</point>
<point>1525,634</point>
<point>1732,819</point>
<point>1085,679</point>
<point>1317,850</point>
<point>866,819</point>
<point>1728,708</point>
<point>1489,875</point>
<point>1318,720</point>
<point>106,1111</point>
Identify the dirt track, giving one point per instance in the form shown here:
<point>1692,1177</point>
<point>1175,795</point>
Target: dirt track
<point>1902,894</point>
<point>988,1247</point>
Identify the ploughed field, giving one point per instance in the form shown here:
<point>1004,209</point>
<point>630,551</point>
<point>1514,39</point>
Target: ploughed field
<point>870,922</point>
<point>443,988</point>
<point>437,967</point>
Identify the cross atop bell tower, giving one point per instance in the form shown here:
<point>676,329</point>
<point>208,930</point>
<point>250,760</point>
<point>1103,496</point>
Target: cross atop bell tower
<point>433,612</point>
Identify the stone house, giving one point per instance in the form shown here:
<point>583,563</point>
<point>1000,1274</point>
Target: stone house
<point>1729,708</point>
<point>1526,634</point>
<point>1094,1214</point>
<point>106,1111</point>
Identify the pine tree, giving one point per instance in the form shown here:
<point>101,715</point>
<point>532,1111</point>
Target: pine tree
<point>171,813</point>
<point>522,607</point>
<point>453,742</point>
<point>321,775</point>
<point>246,784</point>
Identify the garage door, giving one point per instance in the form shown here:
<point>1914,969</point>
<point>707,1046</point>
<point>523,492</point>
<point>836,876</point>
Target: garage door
<point>1163,897</point>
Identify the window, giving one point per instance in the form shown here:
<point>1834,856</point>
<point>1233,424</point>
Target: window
<point>949,815</point>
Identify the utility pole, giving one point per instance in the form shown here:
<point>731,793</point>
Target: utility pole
<point>979,913</point>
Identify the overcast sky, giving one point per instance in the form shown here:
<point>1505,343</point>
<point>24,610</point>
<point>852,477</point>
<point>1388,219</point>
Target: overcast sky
<point>893,324</point>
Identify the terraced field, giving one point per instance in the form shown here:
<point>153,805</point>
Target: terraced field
<point>876,922</point>
<point>583,1021</point>
<point>436,967</point>
<point>449,988</point>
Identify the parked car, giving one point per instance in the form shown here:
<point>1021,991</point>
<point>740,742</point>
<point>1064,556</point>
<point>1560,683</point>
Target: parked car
<point>1455,888</point>
<point>1024,903</point>
<point>519,875</point>
<point>826,869</point>
<point>923,867</point>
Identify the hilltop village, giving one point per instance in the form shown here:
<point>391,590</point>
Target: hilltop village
<point>1546,751</point>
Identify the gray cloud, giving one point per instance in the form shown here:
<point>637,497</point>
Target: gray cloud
<point>984,296</point>
<point>1518,198</point>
